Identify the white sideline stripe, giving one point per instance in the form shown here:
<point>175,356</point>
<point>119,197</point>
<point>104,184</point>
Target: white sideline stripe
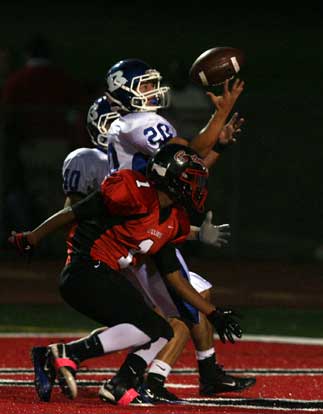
<point>89,382</point>
<point>250,373</point>
<point>284,339</point>
<point>257,338</point>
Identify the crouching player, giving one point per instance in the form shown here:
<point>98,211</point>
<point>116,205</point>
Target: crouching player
<point>131,216</point>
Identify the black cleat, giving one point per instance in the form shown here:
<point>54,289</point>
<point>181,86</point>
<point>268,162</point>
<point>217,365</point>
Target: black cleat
<point>116,391</point>
<point>157,395</point>
<point>44,373</point>
<point>156,384</point>
<point>223,382</point>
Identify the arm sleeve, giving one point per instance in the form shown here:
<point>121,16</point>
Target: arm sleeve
<point>121,196</point>
<point>91,206</point>
<point>166,260</point>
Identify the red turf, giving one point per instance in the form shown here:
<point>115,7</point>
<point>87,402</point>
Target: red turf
<point>292,392</point>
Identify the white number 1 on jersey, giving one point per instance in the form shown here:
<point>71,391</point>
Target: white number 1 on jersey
<point>143,248</point>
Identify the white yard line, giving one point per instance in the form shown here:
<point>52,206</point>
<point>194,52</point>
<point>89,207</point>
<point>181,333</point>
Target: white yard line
<point>250,338</point>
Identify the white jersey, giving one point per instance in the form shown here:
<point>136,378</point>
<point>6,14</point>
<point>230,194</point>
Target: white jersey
<point>83,170</point>
<point>134,137</point>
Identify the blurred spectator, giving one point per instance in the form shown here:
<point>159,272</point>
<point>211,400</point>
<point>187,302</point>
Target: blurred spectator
<point>42,106</point>
<point>41,99</point>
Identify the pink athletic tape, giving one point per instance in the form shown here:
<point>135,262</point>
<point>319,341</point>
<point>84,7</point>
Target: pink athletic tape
<point>65,362</point>
<point>128,396</point>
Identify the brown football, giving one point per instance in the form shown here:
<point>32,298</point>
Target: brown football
<point>216,65</point>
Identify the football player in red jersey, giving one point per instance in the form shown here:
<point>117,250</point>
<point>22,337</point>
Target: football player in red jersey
<point>131,216</point>
<point>135,86</point>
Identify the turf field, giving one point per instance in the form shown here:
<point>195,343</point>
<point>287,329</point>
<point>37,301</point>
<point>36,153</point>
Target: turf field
<point>289,379</point>
<point>282,344</point>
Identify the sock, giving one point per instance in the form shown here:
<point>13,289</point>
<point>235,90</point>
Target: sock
<point>85,348</point>
<point>122,336</point>
<point>160,367</point>
<point>158,372</point>
<point>204,354</point>
<point>148,353</point>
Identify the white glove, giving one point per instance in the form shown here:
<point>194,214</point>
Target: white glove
<point>215,235</point>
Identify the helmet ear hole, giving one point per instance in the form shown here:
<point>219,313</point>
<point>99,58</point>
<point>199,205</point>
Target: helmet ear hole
<point>125,81</point>
<point>179,172</point>
<point>99,118</point>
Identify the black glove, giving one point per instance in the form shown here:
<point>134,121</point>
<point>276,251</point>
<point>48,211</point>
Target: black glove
<point>225,323</point>
<point>21,244</point>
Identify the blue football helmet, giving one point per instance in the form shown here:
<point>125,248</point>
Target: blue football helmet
<point>99,118</point>
<point>125,79</point>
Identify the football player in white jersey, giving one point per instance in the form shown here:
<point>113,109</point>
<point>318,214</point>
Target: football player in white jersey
<point>85,168</point>
<point>135,87</point>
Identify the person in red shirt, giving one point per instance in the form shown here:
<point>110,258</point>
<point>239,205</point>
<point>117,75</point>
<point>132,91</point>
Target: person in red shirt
<point>40,99</point>
<point>40,107</point>
<point>131,216</point>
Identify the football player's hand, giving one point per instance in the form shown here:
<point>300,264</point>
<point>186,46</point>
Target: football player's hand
<point>21,243</point>
<point>215,235</point>
<point>226,101</point>
<point>226,324</point>
<point>231,129</point>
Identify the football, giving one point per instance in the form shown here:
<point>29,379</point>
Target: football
<point>216,65</point>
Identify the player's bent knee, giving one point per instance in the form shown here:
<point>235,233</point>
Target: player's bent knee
<point>167,331</point>
<point>155,327</point>
<point>180,328</point>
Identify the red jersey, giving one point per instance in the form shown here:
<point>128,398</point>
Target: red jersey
<point>40,98</point>
<point>124,221</point>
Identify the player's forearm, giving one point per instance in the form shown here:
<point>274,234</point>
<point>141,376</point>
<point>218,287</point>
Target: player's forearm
<point>57,220</point>
<point>208,136</point>
<point>211,159</point>
<point>188,293</point>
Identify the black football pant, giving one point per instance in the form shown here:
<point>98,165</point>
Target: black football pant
<point>107,297</point>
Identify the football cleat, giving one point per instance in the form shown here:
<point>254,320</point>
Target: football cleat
<point>44,373</point>
<point>116,391</point>
<point>222,382</point>
<point>65,369</point>
<point>157,395</point>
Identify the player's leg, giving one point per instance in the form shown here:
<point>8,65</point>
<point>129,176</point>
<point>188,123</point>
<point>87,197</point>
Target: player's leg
<point>115,304</point>
<point>149,282</point>
<point>165,360</point>
<point>213,378</point>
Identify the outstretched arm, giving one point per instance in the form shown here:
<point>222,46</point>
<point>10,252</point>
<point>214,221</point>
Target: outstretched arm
<point>89,207</point>
<point>224,320</point>
<point>54,222</point>
<point>204,142</point>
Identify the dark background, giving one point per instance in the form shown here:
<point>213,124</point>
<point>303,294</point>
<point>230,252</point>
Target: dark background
<point>269,185</point>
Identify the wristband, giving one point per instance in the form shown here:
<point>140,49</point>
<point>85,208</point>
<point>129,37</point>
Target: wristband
<point>218,147</point>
